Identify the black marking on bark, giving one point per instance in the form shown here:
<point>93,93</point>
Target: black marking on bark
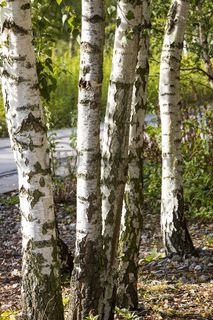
<point>28,106</point>
<point>10,24</point>
<point>35,86</point>
<point>17,80</point>
<point>89,48</point>
<point>86,69</point>
<point>38,170</point>
<point>94,19</point>
<point>25,6</point>
<point>83,84</point>
<point>42,182</point>
<point>36,195</point>
<point>31,123</point>
<point>48,226</point>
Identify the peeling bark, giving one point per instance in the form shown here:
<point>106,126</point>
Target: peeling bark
<point>132,215</point>
<point>175,234</point>
<point>41,291</point>
<point>89,248</point>
<point>116,137</point>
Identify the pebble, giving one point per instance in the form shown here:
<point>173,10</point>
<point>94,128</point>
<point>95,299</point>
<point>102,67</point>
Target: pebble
<point>192,266</point>
<point>204,278</point>
<point>198,267</point>
<point>210,265</point>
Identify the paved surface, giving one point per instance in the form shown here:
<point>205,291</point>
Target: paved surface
<point>64,155</point>
<point>8,172</point>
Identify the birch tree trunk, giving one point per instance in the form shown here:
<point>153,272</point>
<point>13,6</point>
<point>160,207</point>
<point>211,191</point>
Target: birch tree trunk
<point>41,292</point>
<point>132,215</point>
<point>89,247</point>
<point>204,47</point>
<point>116,136</point>
<point>175,234</point>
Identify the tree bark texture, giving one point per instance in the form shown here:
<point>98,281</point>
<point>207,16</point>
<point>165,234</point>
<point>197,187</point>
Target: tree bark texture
<point>89,247</point>
<point>41,292</point>
<point>132,215</point>
<point>116,137</point>
<point>175,234</point>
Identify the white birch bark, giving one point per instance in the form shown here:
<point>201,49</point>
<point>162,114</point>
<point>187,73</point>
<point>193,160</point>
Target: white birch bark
<point>175,234</point>
<point>132,215</point>
<point>88,259</point>
<point>116,136</point>
<point>41,292</point>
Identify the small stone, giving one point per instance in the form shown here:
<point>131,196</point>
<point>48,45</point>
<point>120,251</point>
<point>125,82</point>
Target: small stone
<point>72,226</point>
<point>210,265</point>
<point>192,266</point>
<point>204,278</point>
<point>198,267</point>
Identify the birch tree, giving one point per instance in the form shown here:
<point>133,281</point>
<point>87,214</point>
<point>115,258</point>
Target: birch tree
<point>41,293</point>
<point>116,137</point>
<point>132,215</point>
<point>175,234</point>
<point>88,258</point>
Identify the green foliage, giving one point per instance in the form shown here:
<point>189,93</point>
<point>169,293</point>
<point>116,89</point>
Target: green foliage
<point>153,255</point>
<point>92,317</point>
<point>3,125</point>
<point>63,100</point>
<point>197,155</point>
<point>126,314</point>
<point>9,200</point>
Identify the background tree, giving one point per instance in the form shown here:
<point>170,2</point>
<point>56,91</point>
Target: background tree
<point>132,215</point>
<point>88,256</point>
<point>41,292</point>
<point>175,234</point>
<point>205,18</point>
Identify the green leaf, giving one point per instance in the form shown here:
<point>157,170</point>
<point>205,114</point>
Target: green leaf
<point>130,15</point>
<point>59,2</point>
<point>3,3</point>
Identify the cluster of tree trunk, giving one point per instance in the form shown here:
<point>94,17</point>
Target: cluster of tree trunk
<point>109,184</point>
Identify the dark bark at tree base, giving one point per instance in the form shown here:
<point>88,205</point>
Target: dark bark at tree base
<point>177,240</point>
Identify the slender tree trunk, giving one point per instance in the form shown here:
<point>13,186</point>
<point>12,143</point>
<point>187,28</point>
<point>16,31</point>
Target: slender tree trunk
<point>41,292</point>
<point>132,215</point>
<point>116,137</point>
<point>175,234</point>
<point>204,47</point>
<point>89,248</point>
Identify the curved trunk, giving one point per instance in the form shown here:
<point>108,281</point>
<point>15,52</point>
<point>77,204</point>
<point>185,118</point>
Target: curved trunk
<point>41,292</point>
<point>88,258</point>
<point>132,215</point>
<point>175,234</point>
<point>116,136</point>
